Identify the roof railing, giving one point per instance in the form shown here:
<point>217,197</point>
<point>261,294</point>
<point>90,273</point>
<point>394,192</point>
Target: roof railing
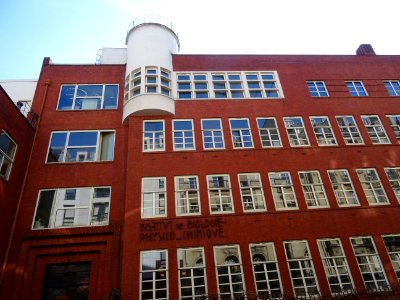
<point>147,19</point>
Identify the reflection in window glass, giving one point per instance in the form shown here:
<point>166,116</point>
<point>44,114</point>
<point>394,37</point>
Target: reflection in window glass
<point>282,190</point>
<point>343,187</point>
<point>269,133</point>
<point>296,131</point>
<point>153,135</point>
<point>154,196</point>
<point>251,192</point>
<point>349,130</point>
<point>393,174</point>
<point>394,121</point>
<point>187,198</point>
<point>372,186</point>
<point>153,275</point>
<point>183,134</point>
<point>375,130</point>
<point>212,134</point>
<point>7,152</point>
<point>220,194</point>
<point>241,134</point>
<point>392,244</point>
<point>323,131</point>
<point>313,189</point>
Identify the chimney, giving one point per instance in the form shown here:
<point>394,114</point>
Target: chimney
<point>365,50</point>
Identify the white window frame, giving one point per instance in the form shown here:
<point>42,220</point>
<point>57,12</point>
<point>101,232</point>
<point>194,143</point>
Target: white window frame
<point>326,130</point>
<point>309,189</point>
<point>183,271</point>
<point>354,137</point>
<point>231,272</point>
<point>184,135</point>
<point>394,255</point>
<point>374,130</point>
<point>342,188</point>
<point>185,196</point>
<point>335,266</point>
<point>356,92</point>
<point>154,194</point>
<point>6,157</point>
<point>394,121</point>
<point>213,131</point>
<point>37,223</point>
<point>394,180</point>
<point>241,134</point>
<point>305,267</point>
<point>372,186</point>
<point>282,193</point>
<point>155,272</point>
<point>371,262</point>
<point>318,90</point>
<point>153,139</point>
<point>220,197</point>
<point>268,269</point>
<point>394,90</point>
<point>265,137</point>
<point>253,193</point>
<point>298,130</point>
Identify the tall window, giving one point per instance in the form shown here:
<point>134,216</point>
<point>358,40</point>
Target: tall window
<point>187,196</point>
<point>88,96</point>
<point>183,135</point>
<point>349,130</point>
<point>313,189</point>
<point>317,89</point>
<point>251,192</point>
<point>393,174</point>
<point>192,273</point>
<point>323,131</point>
<point>392,87</point>
<point>296,131</point>
<point>372,186</point>
<point>392,244</point>
<point>301,268</point>
<point>282,190</point>
<point>229,272</point>
<point>269,133</point>
<point>219,193</point>
<point>375,130</point>
<point>72,207</point>
<point>394,121</point>
<point>369,263</point>
<point>7,152</point>
<point>266,271</point>
<point>184,86</point>
<point>241,134</point>
<point>335,264</point>
<point>154,275</point>
<point>154,196</point>
<point>343,187</point>
<point>153,136</point>
<point>81,146</point>
<point>212,134</point>
<point>356,88</point>
<point>219,85</point>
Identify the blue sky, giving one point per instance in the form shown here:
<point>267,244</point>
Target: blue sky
<point>71,31</point>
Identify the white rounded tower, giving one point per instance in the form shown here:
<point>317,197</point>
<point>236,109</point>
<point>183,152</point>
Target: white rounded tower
<point>148,88</point>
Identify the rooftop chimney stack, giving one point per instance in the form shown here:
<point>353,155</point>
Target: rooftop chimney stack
<point>365,50</point>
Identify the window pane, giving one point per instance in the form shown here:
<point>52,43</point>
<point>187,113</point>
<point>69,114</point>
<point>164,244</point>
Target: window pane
<point>57,147</point>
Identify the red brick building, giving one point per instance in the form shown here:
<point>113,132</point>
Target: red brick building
<point>178,176</point>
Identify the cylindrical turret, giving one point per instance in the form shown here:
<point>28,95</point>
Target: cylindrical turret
<point>148,88</point>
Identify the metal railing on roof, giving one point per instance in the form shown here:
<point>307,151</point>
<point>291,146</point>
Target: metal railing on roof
<point>151,19</point>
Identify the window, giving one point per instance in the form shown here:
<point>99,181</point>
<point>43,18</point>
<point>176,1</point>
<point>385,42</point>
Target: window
<point>262,85</point>
<point>349,130</point>
<point>313,189</point>
<point>183,134</point>
<point>375,130</point>
<point>192,273</point>
<point>296,131</point>
<point>269,133</point>
<point>392,87</point>
<point>67,281</point>
<point>81,146</point>
<point>235,85</point>
<point>7,153</point>
<point>220,194</point>
<point>343,187</point>
<point>323,131</point>
<point>71,207</point>
<point>241,134</point>
<point>392,244</point>
<point>229,272</point>
<point>187,197</point>
<point>317,89</point>
<point>301,268</point>
<point>266,271</point>
<point>154,197</point>
<point>184,86</point>
<point>393,174</point>
<point>394,121</point>
<point>219,85</point>
<point>356,88</point>
<point>212,134</point>
<point>154,275</point>
<point>153,136</point>
<point>200,86</point>
<point>251,192</point>
<point>88,96</point>
<point>335,264</point>
<point>369,263</point>
<point>372,186</point>
<point>282,190</point>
